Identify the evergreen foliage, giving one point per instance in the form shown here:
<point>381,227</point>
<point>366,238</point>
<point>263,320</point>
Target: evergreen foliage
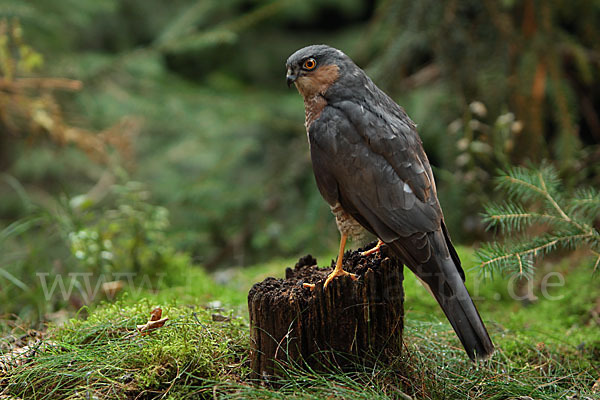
<point>527,59</point>
<point>196,94</point>
<point>189,98</point>
<point>538,218</point>
<point>534,58</point>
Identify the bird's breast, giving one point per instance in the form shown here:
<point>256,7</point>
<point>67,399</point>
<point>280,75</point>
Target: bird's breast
<point>313,107</point>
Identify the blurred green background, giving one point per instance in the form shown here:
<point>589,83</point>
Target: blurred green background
<point>135,133</point>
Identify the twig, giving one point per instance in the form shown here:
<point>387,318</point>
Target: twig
<point>535,250</point>
<point>524,215</point>
<point>597,260</point>
<point>587,229</point>
<point>529,185</point>
<point>41,83</point>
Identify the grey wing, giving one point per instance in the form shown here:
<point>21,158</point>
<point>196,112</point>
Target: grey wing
<point>377,170</point>
<point>372,163</point>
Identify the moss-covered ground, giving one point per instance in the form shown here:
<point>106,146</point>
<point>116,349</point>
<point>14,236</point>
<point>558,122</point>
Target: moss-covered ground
<point>548,342</point>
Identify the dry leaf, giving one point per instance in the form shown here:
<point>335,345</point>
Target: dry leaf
<point>156,314</point>
<point>155,321</point>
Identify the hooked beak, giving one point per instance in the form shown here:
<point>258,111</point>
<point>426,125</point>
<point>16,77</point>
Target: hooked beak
<point>290,77</point>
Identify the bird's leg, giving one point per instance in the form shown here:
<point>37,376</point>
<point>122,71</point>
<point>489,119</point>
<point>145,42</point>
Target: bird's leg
<point>374,249</point>
<point>339,271</point>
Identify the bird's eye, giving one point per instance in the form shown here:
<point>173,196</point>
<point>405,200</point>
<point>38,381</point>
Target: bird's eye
<point>309,64</point>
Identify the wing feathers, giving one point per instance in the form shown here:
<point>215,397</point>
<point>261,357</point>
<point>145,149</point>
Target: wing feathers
<point>368,157</point>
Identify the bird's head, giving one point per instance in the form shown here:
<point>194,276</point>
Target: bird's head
<point>314,69</point>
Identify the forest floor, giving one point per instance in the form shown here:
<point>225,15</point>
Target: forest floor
<point>547,336</point>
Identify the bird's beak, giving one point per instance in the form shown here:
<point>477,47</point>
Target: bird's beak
<point>290,77</point>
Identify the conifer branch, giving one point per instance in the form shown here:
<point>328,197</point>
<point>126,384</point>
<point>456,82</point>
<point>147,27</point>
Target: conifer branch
<point>551,200</point>
<point>566,221</point>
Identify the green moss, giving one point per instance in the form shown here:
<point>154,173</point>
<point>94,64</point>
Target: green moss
<point>105,355</point>
<point>546,349</point>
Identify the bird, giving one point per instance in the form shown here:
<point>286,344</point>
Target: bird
<point>371,168</point>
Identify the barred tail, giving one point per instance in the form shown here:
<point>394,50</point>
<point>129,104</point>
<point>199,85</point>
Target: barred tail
<point>442,278</point>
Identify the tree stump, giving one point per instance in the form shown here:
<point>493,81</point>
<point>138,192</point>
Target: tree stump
<point>349,322</point>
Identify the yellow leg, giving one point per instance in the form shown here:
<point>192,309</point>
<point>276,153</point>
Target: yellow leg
<point>374,249</point>
<point>338,271</point>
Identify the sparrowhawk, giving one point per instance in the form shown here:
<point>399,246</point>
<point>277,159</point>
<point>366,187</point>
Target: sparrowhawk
<point>370,166</point>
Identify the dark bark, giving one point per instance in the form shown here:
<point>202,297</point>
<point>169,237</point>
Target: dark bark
<point>349,322</point>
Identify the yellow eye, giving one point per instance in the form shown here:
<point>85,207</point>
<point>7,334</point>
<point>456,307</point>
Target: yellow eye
<point>309,64</point>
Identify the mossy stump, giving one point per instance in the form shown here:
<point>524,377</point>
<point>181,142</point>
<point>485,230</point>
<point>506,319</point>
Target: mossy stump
<point>349,322</point>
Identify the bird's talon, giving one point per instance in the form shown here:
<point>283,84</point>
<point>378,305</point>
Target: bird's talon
<point>373,250</point>
<point>335,274</point>
<point>310,286</point>
<point>370,251</point>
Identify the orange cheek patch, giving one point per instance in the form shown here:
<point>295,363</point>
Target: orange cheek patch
<point>317,82</point>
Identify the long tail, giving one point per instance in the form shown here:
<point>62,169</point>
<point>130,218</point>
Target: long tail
<point>441,276</point>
